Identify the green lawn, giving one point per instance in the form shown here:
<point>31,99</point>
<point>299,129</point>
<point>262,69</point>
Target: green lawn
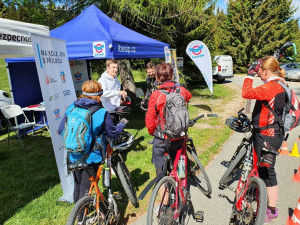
<point>29,179</point>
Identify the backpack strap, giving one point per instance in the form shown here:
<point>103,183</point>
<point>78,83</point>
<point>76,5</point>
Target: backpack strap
<point>92,110</point>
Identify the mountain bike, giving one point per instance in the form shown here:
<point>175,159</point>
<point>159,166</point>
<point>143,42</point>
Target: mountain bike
<point>95,207</point>
<point>250,202</point>
<point>170,195</point>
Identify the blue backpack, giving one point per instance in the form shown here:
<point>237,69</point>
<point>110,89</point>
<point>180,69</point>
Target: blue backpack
<point>77,134</point>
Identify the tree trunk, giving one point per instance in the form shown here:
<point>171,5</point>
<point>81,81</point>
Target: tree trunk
<point>127,78</point>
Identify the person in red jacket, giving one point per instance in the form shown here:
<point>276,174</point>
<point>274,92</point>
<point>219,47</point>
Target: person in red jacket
<point>266,128</point>
<point>164,76</point>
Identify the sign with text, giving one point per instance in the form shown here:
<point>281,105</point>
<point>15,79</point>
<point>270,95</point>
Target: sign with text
<point>58,93</point>
<point>180,62</point>
<point>200,55</point>
<point>79,73</point>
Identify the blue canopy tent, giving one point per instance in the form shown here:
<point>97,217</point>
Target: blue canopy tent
<point>90,32</point>
<point>82,34</point>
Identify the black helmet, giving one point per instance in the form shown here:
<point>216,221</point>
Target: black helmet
<point>238,124</point>
<point>144,105</point>
<point>123,110</point>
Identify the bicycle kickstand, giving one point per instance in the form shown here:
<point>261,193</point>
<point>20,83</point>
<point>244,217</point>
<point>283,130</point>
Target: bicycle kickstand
<point>199,216</point>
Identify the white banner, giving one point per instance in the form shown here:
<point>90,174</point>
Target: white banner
<point>200,55</point>
<point>58,93</point>
<point>79,74</point>
<point>15,37</point>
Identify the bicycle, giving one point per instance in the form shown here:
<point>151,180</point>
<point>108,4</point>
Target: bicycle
<point>95,208</point>
<point>250,202</point>
<point>172,188</point>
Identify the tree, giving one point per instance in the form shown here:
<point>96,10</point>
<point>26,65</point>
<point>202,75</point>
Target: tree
<point>257,28</point>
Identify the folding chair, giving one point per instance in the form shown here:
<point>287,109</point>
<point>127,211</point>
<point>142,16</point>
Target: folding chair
<point>13,111</point>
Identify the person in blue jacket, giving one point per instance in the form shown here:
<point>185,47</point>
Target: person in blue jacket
<point>102,126</point>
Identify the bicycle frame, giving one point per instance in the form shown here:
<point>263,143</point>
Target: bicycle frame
<point>180,182</point>
<point>250,169</point>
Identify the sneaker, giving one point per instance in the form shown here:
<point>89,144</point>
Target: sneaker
<point>270,216</point>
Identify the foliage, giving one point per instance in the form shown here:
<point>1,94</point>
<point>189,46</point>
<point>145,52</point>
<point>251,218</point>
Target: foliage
<point>257,28</point>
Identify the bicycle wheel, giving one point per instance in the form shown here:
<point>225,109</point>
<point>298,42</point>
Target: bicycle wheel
<point>161,206</point>
<point>234,166</point>
<point>124,176</point>
<point>84,212</point>
<point>254,204</point>
<point>197,173</point>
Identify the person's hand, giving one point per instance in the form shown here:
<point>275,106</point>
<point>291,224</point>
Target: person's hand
<point>125,121</point>
<point>123,94</point>
<point>254,67</point>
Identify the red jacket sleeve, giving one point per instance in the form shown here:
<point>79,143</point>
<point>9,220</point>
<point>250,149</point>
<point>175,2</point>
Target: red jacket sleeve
<point>151,114</point>
<point>266,91</point>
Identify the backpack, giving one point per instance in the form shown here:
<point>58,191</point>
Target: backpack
<point>77,134</point>
<point>291,111</point>
<point>175,113</point>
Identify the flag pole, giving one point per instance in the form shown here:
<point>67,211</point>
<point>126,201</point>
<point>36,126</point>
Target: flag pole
<point>212,106</point>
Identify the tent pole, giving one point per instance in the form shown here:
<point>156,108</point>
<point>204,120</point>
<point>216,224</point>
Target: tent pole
<point>10,89</point>
<point>212,105</point>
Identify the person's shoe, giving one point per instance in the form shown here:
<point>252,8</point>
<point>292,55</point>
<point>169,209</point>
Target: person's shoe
<point>151,141</point>
<point>270,216</point>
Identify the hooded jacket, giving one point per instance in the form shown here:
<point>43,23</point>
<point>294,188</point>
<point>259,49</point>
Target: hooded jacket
<point>111,87</point>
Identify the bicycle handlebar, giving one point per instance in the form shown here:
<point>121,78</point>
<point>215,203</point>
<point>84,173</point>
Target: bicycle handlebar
<point>193,121</point>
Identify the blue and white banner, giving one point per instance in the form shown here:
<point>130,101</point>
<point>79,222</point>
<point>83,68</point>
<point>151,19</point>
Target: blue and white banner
<point>58,93</point>
<point>79,74</point>
<point>200,55</point>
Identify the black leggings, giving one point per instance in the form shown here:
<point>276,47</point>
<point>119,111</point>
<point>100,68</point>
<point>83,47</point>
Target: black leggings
<point>82,182</point>
<point>267,174</point>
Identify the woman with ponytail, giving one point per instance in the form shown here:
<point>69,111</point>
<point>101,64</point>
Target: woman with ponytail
<point>266,128</point>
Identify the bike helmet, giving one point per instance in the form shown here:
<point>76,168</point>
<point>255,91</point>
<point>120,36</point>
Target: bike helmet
<point>123,142</point>
<point>144,105</point>
<point>127,101</point>
<point>123,110</point>
<point>238,124</point>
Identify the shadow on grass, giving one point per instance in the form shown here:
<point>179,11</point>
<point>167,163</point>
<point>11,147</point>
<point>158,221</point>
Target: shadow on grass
<point>204,107</point>
<point>25,173</point>
<point>139,180</point>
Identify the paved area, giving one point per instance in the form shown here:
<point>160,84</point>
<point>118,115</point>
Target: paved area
<point>217,210</point>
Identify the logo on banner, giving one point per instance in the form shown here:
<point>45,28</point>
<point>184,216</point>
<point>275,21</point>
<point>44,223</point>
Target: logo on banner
<point>78,77</point>
<point>63,76</point>
<point>67,92</point>
<point>54,97</point>
<point>196,51</point>
<point>56,113</point>
<point>99,49</point>
<point>50,80</point>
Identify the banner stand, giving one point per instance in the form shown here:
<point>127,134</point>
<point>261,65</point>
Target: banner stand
<point>212,105</point>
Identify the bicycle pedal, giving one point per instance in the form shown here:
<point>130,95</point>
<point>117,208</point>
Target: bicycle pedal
<point>117,195</point>
<point>199,216</point>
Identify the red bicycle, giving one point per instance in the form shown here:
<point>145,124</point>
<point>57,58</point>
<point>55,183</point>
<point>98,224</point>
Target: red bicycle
<point>171,196</point>
<point>250,204</point>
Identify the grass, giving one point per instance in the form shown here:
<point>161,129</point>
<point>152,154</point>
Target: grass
<point>29,179</point>
<point>4,85</point>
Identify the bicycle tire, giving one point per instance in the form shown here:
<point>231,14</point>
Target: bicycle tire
<point>254,215</point>
<point>233,167</point>
<point>124,177</point>
<point>81,205</point>
<point>197,172</point>
<point>157,213</point>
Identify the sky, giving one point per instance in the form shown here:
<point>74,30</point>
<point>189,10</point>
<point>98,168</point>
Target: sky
<point>223,5</point>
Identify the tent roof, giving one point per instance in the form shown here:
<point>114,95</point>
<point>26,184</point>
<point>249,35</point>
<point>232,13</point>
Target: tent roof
<point>91,26</point>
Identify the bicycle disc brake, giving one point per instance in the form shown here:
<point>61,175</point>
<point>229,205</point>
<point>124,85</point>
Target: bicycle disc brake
<point>246,216</point>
